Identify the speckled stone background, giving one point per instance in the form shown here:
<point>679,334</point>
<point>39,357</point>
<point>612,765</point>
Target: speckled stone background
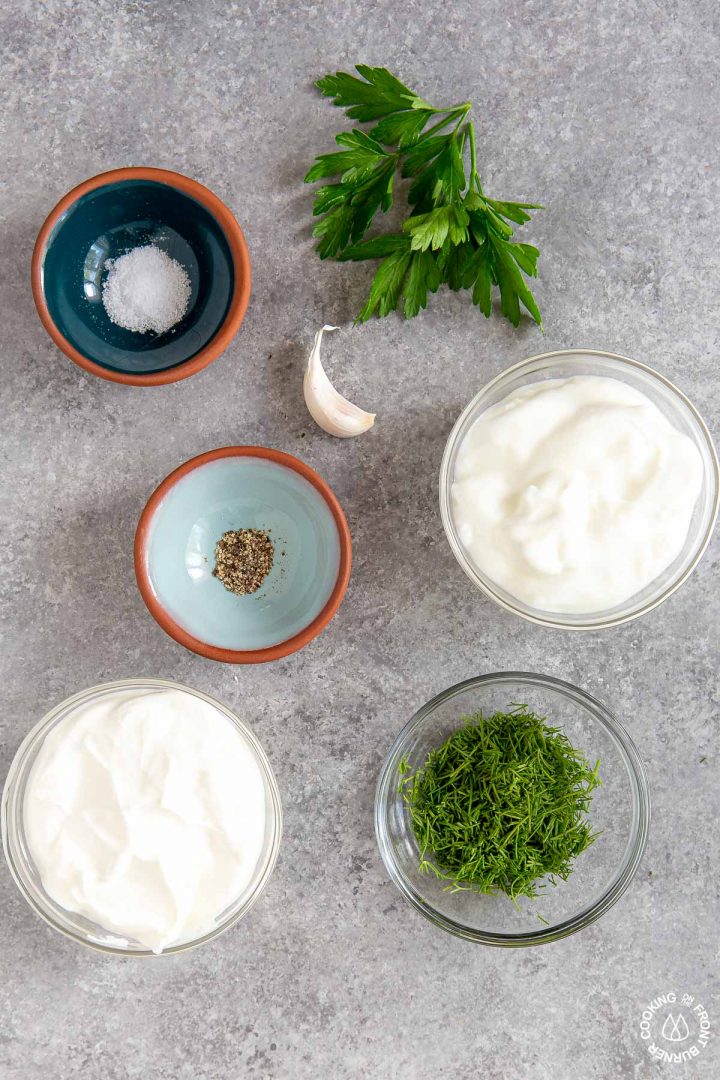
<point>607,113</point>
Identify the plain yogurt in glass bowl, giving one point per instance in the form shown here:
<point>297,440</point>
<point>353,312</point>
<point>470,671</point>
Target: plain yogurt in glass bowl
<point>141,817</point>
<point>579,489</point>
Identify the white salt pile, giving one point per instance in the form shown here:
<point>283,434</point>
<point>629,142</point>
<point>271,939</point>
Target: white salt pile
<point>146,290</point>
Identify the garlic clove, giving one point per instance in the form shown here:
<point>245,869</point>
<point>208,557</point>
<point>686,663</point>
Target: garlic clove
<point>329,409</point>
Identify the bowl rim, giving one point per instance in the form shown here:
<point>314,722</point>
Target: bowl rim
<point>634,851</point>
<point>215,652</point>
<point>552,619</point>
<point>39,730</point>
<point>238,248</point>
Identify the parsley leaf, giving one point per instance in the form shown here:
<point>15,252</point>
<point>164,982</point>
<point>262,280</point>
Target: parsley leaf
<point>349,208</point>
<point>387,284</point>
<point>455,235</point>
<point>402,129</point>
<point>377,93</point>
<point>434,228</point>
<point>423,277</point>
<point>377,248</point>
<point>483,280</point>
<point>423,153</point>
<point>404,274</point>
<point>354,164</point>
<point>454,261</point>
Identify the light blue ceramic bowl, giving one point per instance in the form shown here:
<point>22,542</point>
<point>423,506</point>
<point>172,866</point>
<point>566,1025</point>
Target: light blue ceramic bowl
<point>243,487</point>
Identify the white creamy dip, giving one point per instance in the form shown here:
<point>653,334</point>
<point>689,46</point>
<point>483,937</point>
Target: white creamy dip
<point>574,494</point>
<point>145,812</point>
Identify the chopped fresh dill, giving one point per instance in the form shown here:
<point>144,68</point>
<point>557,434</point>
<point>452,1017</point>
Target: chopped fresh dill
<point>501,804</point>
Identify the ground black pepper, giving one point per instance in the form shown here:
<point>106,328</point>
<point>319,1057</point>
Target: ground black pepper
<point>243,559</point>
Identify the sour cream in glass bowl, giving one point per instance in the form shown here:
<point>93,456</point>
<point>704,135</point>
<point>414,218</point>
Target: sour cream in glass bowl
<point>579,489</point>
<point>141,818</point>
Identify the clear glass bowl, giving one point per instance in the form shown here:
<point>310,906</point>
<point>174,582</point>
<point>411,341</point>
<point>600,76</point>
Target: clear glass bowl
<point>620,810</point>
<point>681,414</point>
<point>26,875</point>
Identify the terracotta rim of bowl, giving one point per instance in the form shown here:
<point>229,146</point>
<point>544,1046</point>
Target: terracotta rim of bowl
<point>241,262</point>
<point>242,656</point>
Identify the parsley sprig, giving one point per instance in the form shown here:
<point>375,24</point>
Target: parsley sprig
<point>455,235</point>
<point>501,804</point>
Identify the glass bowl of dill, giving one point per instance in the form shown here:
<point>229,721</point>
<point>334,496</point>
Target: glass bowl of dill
<point>512,810</point>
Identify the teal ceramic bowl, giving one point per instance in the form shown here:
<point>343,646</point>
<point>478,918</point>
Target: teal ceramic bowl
<point>243,487</point>
<point>107,216</point>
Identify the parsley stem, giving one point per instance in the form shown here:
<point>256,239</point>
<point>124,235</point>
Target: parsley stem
<point>474,177</point>
<point>473,151</point>
<point>450,114</point>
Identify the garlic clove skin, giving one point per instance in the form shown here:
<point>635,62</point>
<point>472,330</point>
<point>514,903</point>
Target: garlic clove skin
<point>328,408</point>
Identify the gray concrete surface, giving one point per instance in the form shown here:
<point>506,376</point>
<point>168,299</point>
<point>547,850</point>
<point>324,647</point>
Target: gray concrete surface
<point>608,114</point>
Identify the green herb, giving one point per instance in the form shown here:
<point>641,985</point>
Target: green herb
<point>456,235</point>
<point>501,804</point>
